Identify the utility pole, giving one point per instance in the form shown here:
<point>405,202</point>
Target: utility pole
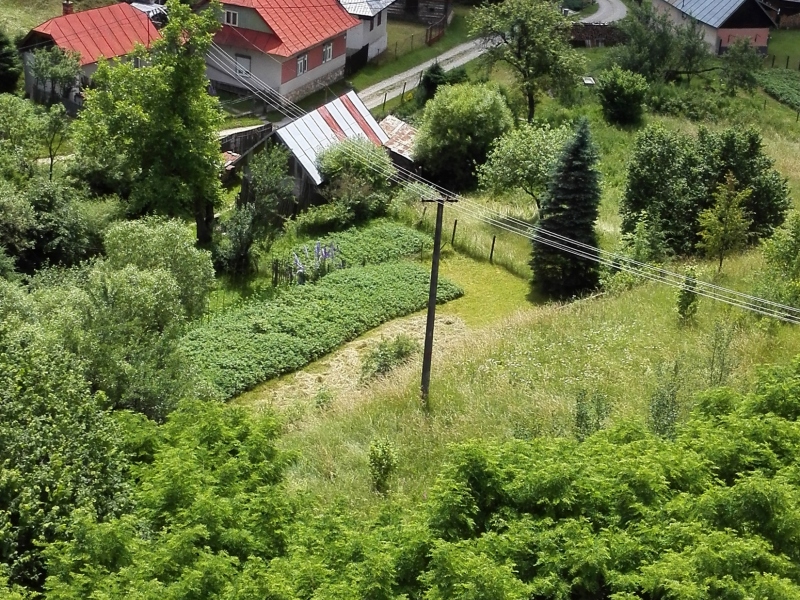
<point>427,353</point>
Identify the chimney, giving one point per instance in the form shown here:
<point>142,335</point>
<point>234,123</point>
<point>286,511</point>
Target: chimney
<point>66,7</point>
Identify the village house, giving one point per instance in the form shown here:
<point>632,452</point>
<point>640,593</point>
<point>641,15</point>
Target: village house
<point>111,33</point>
<point>370,38</point>
<point>294,48</point>
<point>723,21</point>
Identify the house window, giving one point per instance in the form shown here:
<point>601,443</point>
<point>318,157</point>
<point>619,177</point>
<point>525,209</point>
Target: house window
<point>372,23</point>
<point>231,18</point>
<point>302,64</point>
<point>327,52</point>
<point>379,19</point>
<point>137,62</point>
<point>242,65</point>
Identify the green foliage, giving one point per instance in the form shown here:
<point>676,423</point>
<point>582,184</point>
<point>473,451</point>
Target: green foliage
<point>261,340</point>
<point>323,398</point>
<point>663,415</point>
<point>591,412</point>
<point>387,355</point>
<point>150,133</point>
<point>56,70</point>
<point>358,175</point>
<point>523,158</point>
<point>18,137</point>
<point>622,95</point>
<point>683,101</point>
<point>378,242</point>
<point>781,84</point>
<point>10,66</point>
<point>382,464</point>
<point>210,512</point>
<point>271,187</point>
<point>53,128</point>
<point>780,281</point>
<point>60,448</point>
<point>721,359</point>
<point>433,77</point>
<point>233,253</point>
<point>724,226</point>
<point>153,243</point>
<point>740,65</point>
<point>533,38</point>
<point>459,126</point>
<point>686,302</point>
<point>569,209</point>
<point>672,178</point>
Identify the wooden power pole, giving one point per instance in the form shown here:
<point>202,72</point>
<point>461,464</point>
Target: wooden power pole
<point>427,353</point>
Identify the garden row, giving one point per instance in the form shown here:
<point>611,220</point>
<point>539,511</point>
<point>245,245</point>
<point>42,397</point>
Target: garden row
<point>261,340</point>
<point>783,85</point>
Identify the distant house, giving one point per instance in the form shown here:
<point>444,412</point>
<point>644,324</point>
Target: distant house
<point>294,47</point>
<point>111,32</point>
<point>371,36</point>
<point>306,138</point>
<point>423,11</point>
<point>723,21</point>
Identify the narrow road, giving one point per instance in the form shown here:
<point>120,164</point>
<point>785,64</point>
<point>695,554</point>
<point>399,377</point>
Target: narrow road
<point>393,86</point>
<point>373,96</point>
<point>609,11</point>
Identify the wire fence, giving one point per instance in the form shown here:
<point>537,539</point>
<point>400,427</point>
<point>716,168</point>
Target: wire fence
<point>430,35</point>
<point>778,61</point>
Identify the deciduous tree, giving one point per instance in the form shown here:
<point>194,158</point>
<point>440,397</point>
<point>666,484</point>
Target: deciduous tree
<point>56,70</point>
<point>158,125</point>
<point>740,64</point>
<point>724,226</point>
<point>570,209</point>
<point>532,37</point>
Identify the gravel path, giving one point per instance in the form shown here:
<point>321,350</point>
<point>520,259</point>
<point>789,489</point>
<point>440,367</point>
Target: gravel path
<point>609,11</point>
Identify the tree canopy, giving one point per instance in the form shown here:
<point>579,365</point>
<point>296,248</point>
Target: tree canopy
<point>532,37</point>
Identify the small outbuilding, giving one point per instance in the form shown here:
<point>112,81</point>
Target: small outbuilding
<point>401,141</point>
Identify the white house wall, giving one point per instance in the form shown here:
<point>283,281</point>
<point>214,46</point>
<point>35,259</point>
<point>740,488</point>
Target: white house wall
<point>360,36</point>
<point>262,66</point>
<point>679,18</point>
<point>314,79</point>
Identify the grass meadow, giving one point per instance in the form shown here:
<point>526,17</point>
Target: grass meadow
<point>506,365</point>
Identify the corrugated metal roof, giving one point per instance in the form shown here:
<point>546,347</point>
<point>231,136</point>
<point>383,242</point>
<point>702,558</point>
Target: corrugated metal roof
<point>710,12</point>
<point>346,117</point>
<point>107,32</point>
<point>299,24</point>
<point>366,8</point>
<point>401,136</point>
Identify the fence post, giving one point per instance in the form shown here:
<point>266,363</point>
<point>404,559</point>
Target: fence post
<point>395,51</point>
<point>773,59</point>
<point>491,253</point>
<point>787,61</point>
<point>453,237</point>
<point>403,95</point>
<point>383,108</point>
<point>412,41</point>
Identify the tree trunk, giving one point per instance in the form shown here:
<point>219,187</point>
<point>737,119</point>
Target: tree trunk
<point>204,219</point>
<point>531,104</point>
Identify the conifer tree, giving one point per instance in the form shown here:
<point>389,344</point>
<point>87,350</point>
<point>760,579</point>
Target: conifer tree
<point>10,66</point>
<point>570,209</point>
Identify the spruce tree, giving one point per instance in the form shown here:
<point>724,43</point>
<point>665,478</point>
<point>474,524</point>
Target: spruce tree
<point>570,208</point>
<point>10,66</point>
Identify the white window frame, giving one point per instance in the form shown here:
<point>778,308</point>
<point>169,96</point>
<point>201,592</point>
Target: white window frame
<point>327,52</point>
<point>232,18</point>
<point>241,71</point>
<point>302,64</point>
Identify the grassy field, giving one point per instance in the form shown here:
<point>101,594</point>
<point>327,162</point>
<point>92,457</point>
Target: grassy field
<point>783,43</point>
<point>20,16</point>
<point>400,32</point>
<point>508,366</point>
<point>457,33</point>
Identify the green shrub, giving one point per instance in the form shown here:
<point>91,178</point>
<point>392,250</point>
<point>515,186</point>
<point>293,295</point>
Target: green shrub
<point>686,303</point>
<point>591,413</point>
<point>622,94</point>
<point>382,463</point>
<point>261,340</point>
<point>782,84</point>
<point>387,355</point>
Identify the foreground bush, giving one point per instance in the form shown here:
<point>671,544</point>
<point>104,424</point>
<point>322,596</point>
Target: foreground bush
<point>261,340</point>
<point>622,95</point>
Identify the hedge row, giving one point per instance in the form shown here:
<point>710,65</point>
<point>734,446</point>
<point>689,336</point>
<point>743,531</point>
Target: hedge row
<point>783,85</point>
<point>381,241</point>
<point>261,340</point>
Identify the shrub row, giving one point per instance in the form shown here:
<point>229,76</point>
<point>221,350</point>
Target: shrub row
<point>783,85</point>
<point>261,340</point>
<point>381,241</point>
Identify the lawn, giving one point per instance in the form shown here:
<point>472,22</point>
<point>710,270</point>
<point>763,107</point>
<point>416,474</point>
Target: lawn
<point>20,16</point>
<point>457,33</point>
<point>400,34</point>
<point>783,43</point>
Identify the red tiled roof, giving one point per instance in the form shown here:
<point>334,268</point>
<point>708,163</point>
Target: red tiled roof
<point>238,37</point>
<point>107,32</point>
<point>300,24</point>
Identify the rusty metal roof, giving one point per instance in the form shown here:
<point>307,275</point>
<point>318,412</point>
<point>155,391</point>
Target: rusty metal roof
<point>343,118</point>
<point>401,136</point>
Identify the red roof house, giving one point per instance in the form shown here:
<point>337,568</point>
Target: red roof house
<point>294,47</point>
<point>110,32</point>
